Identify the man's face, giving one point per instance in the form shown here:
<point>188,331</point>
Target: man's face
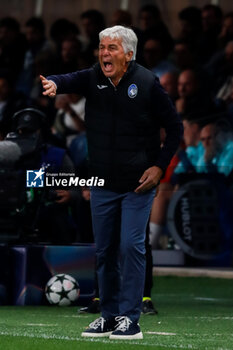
<point>208,139</point>
<point>187,84</point>
<point>113,60</point>
<point>208,136</point>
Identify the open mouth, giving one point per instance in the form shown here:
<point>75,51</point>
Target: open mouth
<point>108,66</point>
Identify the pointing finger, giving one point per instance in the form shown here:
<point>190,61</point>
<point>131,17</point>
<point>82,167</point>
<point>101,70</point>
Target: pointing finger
<point>42,78</point>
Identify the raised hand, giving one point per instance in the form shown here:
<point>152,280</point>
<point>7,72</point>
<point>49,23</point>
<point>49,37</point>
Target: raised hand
<point>49,86</point>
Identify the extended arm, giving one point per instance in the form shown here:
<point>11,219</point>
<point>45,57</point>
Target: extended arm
<point>76,82</point>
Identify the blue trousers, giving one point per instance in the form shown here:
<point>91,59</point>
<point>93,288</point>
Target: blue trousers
<point>119,225</point>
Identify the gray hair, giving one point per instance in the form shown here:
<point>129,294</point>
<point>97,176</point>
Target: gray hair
<point>127,35</point>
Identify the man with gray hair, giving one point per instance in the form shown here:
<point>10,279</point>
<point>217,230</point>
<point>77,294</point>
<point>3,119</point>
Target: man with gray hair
<point>125,108</point>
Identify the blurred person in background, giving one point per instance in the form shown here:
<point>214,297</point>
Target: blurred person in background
<point>71,57</point>
<point>185,55</point>
<point>211,16</point>
<point>92,22</point>
<point>63,29</point>
<point>10,102</point>
<point>190,25</point>
<point>70,116</point>
<point>188,88</point>
<point>190,157</point>
<point>69,126</point>
<point>193,97</point>
<point>226,77</point>
<point>226,33</point>
<point>217,141</point>
<point>169,83</point>
<point>151,25</point>
<point>155,57</point>
<point>211,27</point>
<point>12,46</point>
<point>44,62</point>
<point>37,44</point>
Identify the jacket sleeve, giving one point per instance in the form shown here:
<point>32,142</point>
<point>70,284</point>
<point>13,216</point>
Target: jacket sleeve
<point>76,82</point>
<point>164,110</point>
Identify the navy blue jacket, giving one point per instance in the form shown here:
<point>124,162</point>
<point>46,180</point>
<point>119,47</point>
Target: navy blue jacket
<point>123,123</point>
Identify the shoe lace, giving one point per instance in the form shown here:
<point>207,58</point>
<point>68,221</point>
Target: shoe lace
<point>98,322</point>
<point>123,323</point>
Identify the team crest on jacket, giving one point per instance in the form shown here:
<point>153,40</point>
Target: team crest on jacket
<point>132,90</point>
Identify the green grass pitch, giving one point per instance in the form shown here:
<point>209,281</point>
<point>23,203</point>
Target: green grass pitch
<point>194,313</point>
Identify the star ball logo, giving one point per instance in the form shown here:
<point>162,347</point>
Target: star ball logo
<point>35,178</point>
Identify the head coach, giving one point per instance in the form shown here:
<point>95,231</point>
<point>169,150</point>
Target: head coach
<point>125,109</point>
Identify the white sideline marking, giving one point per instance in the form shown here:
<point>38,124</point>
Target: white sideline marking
<point>191,296</point>
<point>174,295</point>
<point>208,299</point>
<point>186,334</point>
<point>203,317</point>
<point>96,340</point>
<point>40,324</point>
<point>161,333</point>
<point>74,316</point>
